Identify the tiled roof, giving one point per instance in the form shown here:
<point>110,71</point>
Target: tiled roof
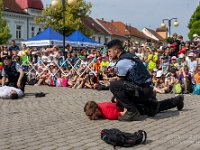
<point>155,34</point>
<point>36,4</point>
<point>110,27</point>
<point>12,6</point>
<point>129,30</point>
<point>91,24</point>
<point>137,33</point>
<point>121,27</point>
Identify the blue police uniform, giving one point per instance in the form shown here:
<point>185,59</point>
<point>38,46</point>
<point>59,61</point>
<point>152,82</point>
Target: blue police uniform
<point>12,72</point>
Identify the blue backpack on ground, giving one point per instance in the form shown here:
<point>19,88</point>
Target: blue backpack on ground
<point>116,137</point>
<point>196,90</point>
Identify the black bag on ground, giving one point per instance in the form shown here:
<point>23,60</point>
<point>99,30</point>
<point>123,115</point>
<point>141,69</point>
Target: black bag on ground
<point>116,137</point>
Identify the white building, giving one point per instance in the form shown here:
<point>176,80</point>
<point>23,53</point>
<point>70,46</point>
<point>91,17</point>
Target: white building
<point>19,15</point>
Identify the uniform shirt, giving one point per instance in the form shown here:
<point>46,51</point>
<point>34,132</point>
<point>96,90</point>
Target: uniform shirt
<point>109,110</point>
<point>5,91</point>
<point>17,67</point>
<point>123,66</point>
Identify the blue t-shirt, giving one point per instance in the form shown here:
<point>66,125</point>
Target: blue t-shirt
<point>15,48</point>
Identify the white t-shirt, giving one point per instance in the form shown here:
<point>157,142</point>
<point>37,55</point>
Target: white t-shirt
<point>5,91</point>
<point>191,65</point>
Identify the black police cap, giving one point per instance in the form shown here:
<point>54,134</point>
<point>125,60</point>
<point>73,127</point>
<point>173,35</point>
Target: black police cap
<point>7,57</point>
<point>113,43</point>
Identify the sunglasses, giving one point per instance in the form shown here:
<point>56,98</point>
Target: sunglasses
<point>4,47</point>
<point>90,115</point>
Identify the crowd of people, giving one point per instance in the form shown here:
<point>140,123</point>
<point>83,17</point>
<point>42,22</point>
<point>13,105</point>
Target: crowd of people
<point>174,66</point>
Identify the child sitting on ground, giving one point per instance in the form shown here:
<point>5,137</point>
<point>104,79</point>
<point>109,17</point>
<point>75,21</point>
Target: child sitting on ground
<point>160,86</point>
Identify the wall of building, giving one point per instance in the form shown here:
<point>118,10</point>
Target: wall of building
<point>149,34</point>
<point>163,34</point>
<point>22,26</point>
<point>101,38</point>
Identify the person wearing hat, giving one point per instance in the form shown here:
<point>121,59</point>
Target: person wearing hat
<point>181,61</point>
<point>174,63</point>
<point>195,39</point>
<point>192,63</point>
<point>160,86</point>
<point>172,50</point>
<point>133,82</point>
<point>14,73</point>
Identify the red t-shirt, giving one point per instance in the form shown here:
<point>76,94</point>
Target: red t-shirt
<point>109,110</point>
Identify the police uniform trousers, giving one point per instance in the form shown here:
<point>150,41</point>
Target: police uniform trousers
<point>125,100</point>
<point>14,83</point>
<point>142,104</point>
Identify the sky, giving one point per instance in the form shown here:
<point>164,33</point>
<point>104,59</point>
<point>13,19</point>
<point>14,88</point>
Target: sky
<point>144,13</point>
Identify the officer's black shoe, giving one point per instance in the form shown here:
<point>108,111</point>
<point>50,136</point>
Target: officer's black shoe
<point>178,100</point>
<point>130,116</point>
<point>153,107</point>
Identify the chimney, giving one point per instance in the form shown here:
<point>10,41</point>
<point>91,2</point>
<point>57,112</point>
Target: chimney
<point>102,19</point>
<point>112,21</point>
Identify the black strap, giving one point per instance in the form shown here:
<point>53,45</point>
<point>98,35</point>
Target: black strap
<point>145,136</point>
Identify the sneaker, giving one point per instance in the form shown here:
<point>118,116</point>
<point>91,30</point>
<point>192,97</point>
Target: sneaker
<point>130,116</point>
<point>178,100</point>
<point>153,107</point>
<point>186,92</point>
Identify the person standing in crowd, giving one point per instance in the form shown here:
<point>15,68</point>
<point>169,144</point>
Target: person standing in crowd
<point>14,73</point>
<point>133,83</point>
<point>176,42</point>
<point>13,46</point>
<point>5,52</point>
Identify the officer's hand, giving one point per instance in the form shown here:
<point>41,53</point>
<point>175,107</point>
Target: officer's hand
<point>18,84</point>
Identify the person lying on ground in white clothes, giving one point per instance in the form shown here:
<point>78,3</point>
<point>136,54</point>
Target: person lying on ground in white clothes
<point>10,92</point>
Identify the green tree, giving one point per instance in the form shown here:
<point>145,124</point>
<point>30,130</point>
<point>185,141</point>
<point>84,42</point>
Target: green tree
<point>4,30</point>
<point>194,24</point>
<point>52,17</point>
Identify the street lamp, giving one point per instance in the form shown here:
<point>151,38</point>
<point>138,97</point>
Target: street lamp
<point>176,23</point>
<point>56,4</point>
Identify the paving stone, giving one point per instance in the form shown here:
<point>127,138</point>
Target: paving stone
<point>57,122</point>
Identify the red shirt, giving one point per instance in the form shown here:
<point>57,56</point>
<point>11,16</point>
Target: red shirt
<point>109,110</point>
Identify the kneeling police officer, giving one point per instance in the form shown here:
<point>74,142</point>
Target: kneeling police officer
<point>133,83</point>
<point>13,71</point>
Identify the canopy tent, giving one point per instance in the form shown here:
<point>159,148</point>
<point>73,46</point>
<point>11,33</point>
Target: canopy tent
<point>83,40</point>
<point>48,37</point>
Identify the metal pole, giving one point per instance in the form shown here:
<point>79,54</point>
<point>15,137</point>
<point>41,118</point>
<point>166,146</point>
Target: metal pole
<point>63,13</point>
<point>27,28</point>
<point>169,24</point>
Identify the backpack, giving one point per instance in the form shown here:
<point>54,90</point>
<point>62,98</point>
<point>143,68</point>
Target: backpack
<point>116,137</point>
<point>177,89</point>
<point>197,89</point>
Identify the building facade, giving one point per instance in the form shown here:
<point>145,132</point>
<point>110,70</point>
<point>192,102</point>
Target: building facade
<point>19,15</point>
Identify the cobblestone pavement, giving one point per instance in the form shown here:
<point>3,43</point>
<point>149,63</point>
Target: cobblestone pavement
<point>57,122</point>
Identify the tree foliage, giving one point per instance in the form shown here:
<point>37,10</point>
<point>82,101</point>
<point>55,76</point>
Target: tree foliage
<point>194,24</point>
<point>4,29</point>
<point>52,17</point>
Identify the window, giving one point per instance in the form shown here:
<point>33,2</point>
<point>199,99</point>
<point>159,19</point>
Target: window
<point>93,38</point>
<point>99,39</point>
<point>106,40</point>
<point>32,31</point>
<point>18,31</point>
